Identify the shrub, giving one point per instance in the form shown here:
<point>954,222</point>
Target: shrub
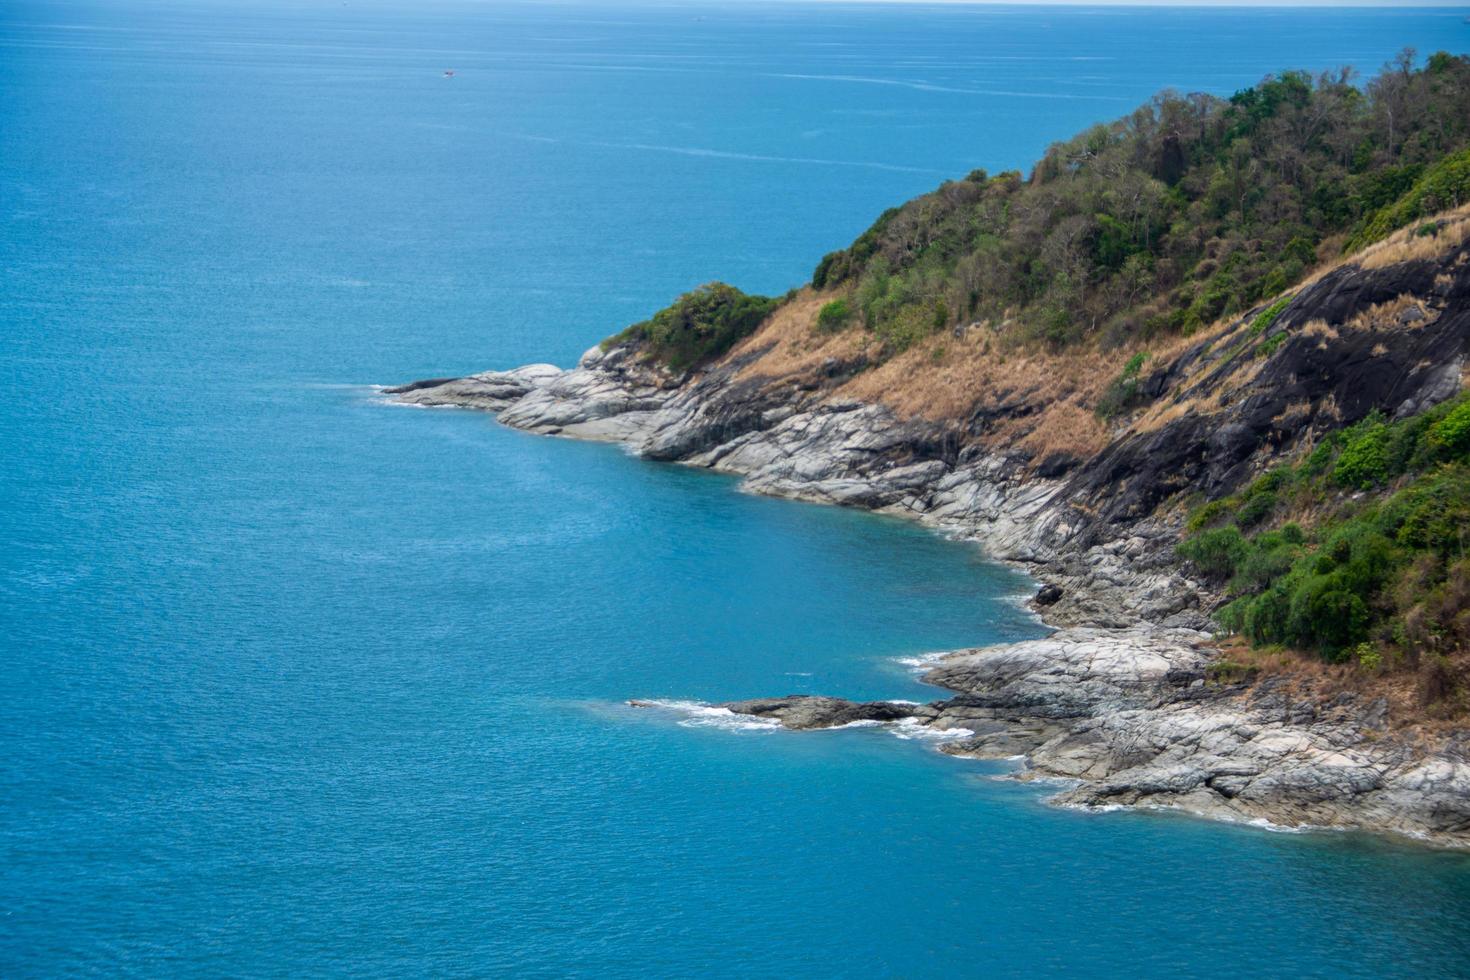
<point>1256,509</point>
<point>1268,316</point>
<point>1266,618</point>
<point>1264,562</point>
<point>1210,513</point>
<point>834,316</point>
<point>1394,569</point>
<point>1358,556</point>
<point>1326,616</point>
<point>1368,657</point>
<point>1123,392</point>
<point>1216,552</point>
<point>1433,514</point>
<point>1363,462</point>
<point>1451,434</point>
<point>824,268</point>
<point>700,325</point>
<point>1270,345</point>
<point>1322,456</point>
<point>909,325</point>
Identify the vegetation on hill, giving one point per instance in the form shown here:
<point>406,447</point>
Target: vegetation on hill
<point>1381,577</point>
<point>1189,209</point>
<point>699,326</point>
<point>1444,185</point>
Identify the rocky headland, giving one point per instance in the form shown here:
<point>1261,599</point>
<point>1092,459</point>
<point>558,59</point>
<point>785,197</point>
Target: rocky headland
<point>1128,698</point>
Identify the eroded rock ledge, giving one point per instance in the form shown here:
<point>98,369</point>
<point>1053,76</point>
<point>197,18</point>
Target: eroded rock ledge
<point>1135,719</point>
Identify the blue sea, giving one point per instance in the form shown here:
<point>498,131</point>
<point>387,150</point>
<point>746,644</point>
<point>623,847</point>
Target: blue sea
<point>296,683</point>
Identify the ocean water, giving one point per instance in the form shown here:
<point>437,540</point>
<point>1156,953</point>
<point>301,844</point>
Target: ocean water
<point>297,683</point>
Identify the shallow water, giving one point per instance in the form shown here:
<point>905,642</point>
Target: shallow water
<point>298,682</point>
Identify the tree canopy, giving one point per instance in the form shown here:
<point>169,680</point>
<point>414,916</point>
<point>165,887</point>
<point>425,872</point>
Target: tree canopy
<point>1190,208</point>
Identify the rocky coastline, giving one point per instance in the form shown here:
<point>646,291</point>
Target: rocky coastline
<point>1129,700</point>
<point>1124,701</point>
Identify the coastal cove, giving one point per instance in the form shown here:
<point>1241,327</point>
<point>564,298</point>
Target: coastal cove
<point>303,683</point>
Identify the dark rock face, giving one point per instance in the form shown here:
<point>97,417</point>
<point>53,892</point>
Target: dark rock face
<point>1331,370</point>
<point>1048,595</point>
<point>1057,464</point>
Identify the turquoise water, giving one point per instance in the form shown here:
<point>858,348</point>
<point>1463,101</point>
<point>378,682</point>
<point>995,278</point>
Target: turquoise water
<point>299,684</point>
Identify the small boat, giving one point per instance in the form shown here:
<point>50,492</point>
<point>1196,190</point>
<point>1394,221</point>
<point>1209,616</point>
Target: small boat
<point>449,73</point>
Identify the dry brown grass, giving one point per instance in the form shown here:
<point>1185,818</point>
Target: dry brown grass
<point>1162,413</point>
<point>1064,427</point>
<point>796,349</point>
<point>1406,244</point>
<point>1221,335</point>
<point>1386,315</point>
<point>1293,413</point>
<point>1222,393</point>
<point>1229,389</point>
<point>949,379</point>
<point>1167,348</point>
<point>1319,328</point>
<point>1307,676</point>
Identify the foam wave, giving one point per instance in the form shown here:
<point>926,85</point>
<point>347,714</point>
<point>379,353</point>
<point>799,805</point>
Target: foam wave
<point>912,729</point>
<point>1259,823</point>
<point>1060,783</point>
<point>919,663</point>
<point>1277,828</point>
<point>395,403</point>
<point>698,714</point>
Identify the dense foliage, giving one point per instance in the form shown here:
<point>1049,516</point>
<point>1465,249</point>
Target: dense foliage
<point>700,325</point>
<point>1381,576</point>
<point>1190,208</point>
<point>834,316</point>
